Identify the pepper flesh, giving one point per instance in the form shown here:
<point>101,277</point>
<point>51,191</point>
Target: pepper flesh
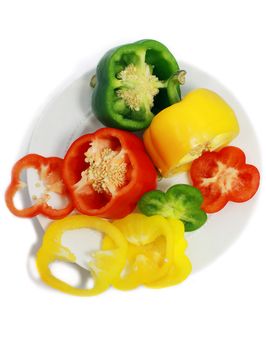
<point>152,248</point>
<point>181,202</point>
<point>105,265</point>
<point>133,82</point>
<point>224,176</point>
<point>181,266</point>
<point>50,174</point>
<point>107,172</point>
<point>179,134</point>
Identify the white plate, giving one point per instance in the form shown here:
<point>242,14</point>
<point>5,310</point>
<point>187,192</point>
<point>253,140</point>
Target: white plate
<point>69,115</point>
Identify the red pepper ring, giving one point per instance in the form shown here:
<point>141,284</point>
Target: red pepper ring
<point>50,172</point>
<point>107,172</point>
<point>224,176</point>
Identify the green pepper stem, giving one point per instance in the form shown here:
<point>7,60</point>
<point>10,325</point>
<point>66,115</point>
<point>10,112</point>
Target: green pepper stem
<point>181,76</point>
<point>177,78</point>
<point>93,81</point>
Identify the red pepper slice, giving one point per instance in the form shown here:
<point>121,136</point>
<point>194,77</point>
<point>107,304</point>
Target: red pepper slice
<point>50,173</point>
<point>107,172</point>
<point>224,176</point>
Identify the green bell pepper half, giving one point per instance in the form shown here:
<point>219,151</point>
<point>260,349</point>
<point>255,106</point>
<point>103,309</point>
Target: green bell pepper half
<point>181,202</point>
<point>134,82</point>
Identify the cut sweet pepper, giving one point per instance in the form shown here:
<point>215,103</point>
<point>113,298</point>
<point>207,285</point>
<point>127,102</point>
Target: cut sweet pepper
<point>151,252</point>
<point>181,266</point>
<point>224,176</point>
<point>50,182</point>
<point>182,132</point>
<point>133,82</point>
<point>104,265</point>
<point>181,202</point>
<point>107,172</point>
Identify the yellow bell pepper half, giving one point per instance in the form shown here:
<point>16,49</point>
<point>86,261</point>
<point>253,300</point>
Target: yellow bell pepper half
<point>104,264</point>
<point>156,252</point>
<point>202,121</point>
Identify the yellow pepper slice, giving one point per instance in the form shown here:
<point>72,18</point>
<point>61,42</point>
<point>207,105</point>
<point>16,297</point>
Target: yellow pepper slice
<point>153,243</point>
<point>103,264</point>
<point>181,267</point>
<point>180,133</point>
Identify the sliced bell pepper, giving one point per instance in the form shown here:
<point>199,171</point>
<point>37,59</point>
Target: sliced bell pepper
<point>224,176</point>
<point>50,175</point>
<point>133,82</point>
<point>181,202</point>
<point>104,265</point>
<point>107,172</point>
<point>151,252</point>
<point>182,132</point>
<point>181,266</point>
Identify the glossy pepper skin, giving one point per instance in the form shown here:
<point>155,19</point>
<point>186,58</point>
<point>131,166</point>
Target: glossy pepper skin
<point>133,82</point>
<point>202,121</point>
<point>50,174</point>
<point>107,172</point>
<point>181,266</point>
<point>181,202</point>
<point>156,252</point>
<point>224,176</point>
<point>105,265</point>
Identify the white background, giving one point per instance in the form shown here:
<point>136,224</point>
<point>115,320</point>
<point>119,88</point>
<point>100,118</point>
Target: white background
<point>46,44</point>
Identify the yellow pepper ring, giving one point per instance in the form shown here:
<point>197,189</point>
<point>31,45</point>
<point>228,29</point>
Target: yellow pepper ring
<point>150,249</point>
<point>181,267</point>
<point>180,133</point>
<point>104,267</point>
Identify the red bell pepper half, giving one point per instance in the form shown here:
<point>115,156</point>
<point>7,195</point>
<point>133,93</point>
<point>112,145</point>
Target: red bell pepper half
<point>50,175</point>
<point>107,172</point>
<point>224,176</point>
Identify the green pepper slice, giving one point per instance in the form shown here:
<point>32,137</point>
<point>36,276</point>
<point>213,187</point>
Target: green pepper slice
<point>181,202</point>
<point>134,82</point>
